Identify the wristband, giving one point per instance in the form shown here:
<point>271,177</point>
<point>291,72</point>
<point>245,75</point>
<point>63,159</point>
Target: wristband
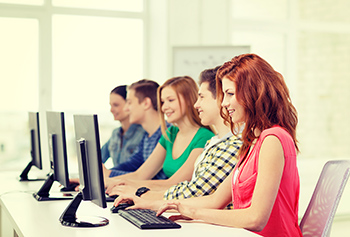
<point>141,191</point>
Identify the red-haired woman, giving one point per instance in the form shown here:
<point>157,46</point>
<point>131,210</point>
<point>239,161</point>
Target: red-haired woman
<point>264,186</point>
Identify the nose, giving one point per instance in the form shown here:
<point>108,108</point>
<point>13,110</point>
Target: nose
<point>164,106</point>
<point>196,105</point>
<point>224,102</point>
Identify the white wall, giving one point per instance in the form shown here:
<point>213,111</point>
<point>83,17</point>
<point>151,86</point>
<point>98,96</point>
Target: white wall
<point>306,41</point>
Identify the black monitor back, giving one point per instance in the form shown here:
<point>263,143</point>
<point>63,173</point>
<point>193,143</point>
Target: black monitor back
<point>89,159</point>
<point>35,146</point>
<point>57,147</point>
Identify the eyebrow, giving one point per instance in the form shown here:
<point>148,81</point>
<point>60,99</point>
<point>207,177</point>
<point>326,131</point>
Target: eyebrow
<point>170,96</point>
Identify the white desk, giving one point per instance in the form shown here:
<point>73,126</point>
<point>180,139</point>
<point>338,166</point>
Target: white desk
<point>22,215</point>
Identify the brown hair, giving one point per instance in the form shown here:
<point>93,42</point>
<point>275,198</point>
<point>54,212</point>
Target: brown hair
<point>209,76</point>
<point>263,94</point>
<point>145,89</point>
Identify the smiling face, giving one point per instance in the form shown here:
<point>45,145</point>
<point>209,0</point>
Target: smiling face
<point>230,103</point>
<point>117,103</point>
<point>206,106</point>
<point>171,105</point>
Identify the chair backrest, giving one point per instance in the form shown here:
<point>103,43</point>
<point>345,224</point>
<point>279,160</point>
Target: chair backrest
<point>319,215</point>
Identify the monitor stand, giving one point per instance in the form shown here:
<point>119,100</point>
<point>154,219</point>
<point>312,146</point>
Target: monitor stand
<point>44,192</point>
<point>24,174</point>
<point>68,217</point>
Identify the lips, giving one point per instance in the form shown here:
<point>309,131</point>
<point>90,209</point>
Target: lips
<point>169,114</point>
<point>230,112</point>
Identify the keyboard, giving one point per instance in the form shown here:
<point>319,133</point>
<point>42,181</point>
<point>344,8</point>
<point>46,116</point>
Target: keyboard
<point>147,219</point>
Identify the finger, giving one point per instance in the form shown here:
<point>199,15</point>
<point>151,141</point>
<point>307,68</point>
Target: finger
<point>77,188</point>
<point>165,207</point>
<point>122,199</point>
<point>179,217</point>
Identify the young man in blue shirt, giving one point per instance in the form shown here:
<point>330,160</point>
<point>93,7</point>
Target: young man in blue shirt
<point>142,107</point>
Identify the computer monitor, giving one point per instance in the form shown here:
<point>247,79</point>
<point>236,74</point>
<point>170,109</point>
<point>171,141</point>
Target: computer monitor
<point>35,147</point>
<point>90,173</point>
<point>58,158</point>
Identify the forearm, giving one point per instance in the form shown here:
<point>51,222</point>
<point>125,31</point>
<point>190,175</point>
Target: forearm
<point>155,185</point>
<point>238,218</point>
<point>153,195</point>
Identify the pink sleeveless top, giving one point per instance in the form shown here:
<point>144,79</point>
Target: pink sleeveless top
<point>283,220</point>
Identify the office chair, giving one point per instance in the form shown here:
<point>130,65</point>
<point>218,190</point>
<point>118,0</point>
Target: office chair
<point>319,215</point>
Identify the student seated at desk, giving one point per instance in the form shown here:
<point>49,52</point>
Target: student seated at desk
<point>264,185</point>
<point>181,144</point>
<point>142,108</point>
<point>214,164</point>
<point>125,139</point>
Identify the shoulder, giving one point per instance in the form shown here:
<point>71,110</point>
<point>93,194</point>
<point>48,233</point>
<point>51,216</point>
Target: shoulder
<point>202,136</point>
<point>277,131</point>
<point>173,128</point>
<point>136,128</point>
<point>278,134</point>
<point>172,131</point>
<point>117,131</point>
<point>234,139</point>
<point>204,131</point>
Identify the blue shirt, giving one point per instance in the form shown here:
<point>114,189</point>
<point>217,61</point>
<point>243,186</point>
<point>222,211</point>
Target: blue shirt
<point>122,145</point>
<point>145,149</point>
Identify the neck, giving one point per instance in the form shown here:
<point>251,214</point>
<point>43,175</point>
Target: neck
<point>221,128</point>
<point>185,126</point>
<point>151,122</point>
<point>125,124</point>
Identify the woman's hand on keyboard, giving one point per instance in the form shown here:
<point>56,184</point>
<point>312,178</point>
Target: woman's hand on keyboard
<point>186,212</point>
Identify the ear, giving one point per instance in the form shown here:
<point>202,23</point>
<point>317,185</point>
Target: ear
<point>147,103</point>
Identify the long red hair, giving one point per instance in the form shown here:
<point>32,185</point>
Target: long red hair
<point>263,94</point>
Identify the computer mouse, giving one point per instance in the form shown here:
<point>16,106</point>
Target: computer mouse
<point>111,198</point>
<point>70,187</point>
<point>121,206</point>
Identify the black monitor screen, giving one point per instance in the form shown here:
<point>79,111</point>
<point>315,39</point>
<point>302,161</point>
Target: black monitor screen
<point>90,172</point>
<point>35,146</point>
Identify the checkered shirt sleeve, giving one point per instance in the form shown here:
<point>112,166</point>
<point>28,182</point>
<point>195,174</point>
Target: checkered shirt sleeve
<point>217,164</point>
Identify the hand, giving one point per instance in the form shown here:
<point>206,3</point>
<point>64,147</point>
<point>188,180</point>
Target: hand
<point>125,190</point>
<point>118,182</point>
<point>186,212</point>
<point>75,181</point>
<point>138,202</point>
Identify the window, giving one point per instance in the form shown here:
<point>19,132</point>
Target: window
<point>64,56</point>
<point>118,5</point>
<point>19,87</point>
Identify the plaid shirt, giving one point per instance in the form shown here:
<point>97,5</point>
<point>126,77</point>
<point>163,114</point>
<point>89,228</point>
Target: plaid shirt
<point>218,162</point>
